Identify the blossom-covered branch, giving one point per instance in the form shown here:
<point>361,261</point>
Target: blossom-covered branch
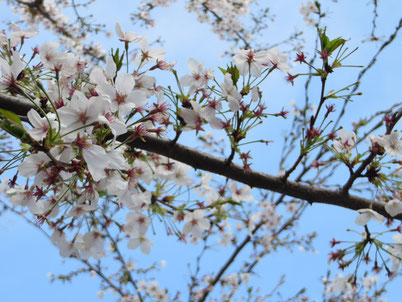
<point>206,162</point>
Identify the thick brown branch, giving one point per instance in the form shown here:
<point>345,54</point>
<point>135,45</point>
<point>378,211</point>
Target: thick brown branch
<point>16,105</point>
<point>216,165</point>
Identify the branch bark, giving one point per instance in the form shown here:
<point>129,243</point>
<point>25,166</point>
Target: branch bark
<point>216,165</point>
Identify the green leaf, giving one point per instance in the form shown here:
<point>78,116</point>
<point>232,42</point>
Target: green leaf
<point>223,70</point>
<point>327,44</point>
<point>118,59</point>
<point>11,123</point>
<point>323,38</point>
<point>234,203</point>
<point>359,247</point>
<point>234,72</point>
<point>10,116</point>
<point>334,44</point>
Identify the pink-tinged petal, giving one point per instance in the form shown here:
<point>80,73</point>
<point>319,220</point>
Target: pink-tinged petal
<point>233,186</point>
<point>196,231</point>
<point>366,215</point>
<point>145,246</point>
<point>133,244</point>
<point>187,228</point>
<point>32,163</point>
<point>17,66</point>
<point>5,67</point>
<point>190,116</point>
<point>124,83</point>
<point>110,69</point>
<point>34,118</point>
<point>96,159</point>
<point>132,37</point>
<point>193,65</point>
<point>393,207</point>
<point>143,44</point>
<point>215,123</point>
<point>97,76</point>
<point>107,90</point>
<point>255,70</point>
<point>243,67</point>
<point>204,224</point>
<point>118,127</point>
<point>37,134</point>
<point>198,214</point>
<point>378,217</point>
<point>186,80</point>
<point>119,31</point>
<point>362,219</point>
<point>255,95</point>
<point>158,53</point>
<point>35,207</point>
<point>284,67</point>
<point>138,97</point>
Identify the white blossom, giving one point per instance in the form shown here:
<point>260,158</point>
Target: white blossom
<point>195,223</point>
<point>366,215</point>
<point>391,143</point>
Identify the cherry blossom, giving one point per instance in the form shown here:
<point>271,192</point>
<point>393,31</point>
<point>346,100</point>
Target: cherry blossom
<point>81,111</point>
<point>146,54</point>
<point>33,164</point>
<point>10,72</point>
<point>346,140</point>
<point>26,198</point>
<point>250,61</point>
<point>40,124</point>
<point>242,194</point>
<point>49,56</point>
<point>91,244</point>
<point>195,223</point>
<point>391,143</point>
<point>128,37</point>
<point>211,195</point>
<point>230,92</point>
<point>86,175</point>
<point>94,155</point>
<point>100,76</point>
<point>5,41</point>
<point>79,210</point>
<point>195,117</point>
<point>199,76</point>
<point>137,224</point>
<point>277,59</point>
<point>394,207</point>
<point>20,34</point>
<point>366,215</point>
<point>142,242</point>
<point>180,175</point>
<point>66,248</point>
<point>122,96</point>
<point>395,251</point>
<point>306,9</point>
<point>339,284</point>
<point>145,83</point>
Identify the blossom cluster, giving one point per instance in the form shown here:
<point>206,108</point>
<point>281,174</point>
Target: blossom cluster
<point>81,165</point>
<point>74,154</point>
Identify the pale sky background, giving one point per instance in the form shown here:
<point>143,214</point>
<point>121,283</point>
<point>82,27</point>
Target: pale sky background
<point>26,256</point>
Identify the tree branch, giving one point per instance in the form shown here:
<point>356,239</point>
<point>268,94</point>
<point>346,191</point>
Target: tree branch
<point>216,165</point>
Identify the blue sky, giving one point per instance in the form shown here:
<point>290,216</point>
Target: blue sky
<point>27,256</point>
